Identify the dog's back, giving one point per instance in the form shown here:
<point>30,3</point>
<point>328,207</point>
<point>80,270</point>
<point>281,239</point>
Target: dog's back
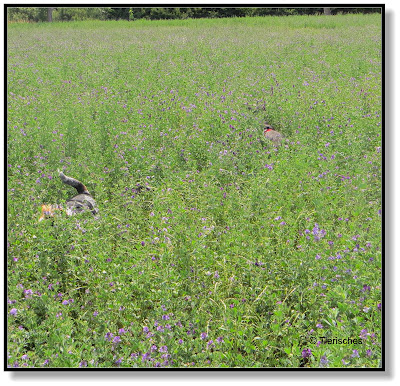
<point>82,202</point>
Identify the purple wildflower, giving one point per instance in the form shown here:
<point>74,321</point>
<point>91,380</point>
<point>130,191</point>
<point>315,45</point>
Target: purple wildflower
<point>364,334</point>
<point>355,354</point>
<point>117,339</point>
<point>146,356</point>
<point>323,361</point>
<point>306,353</point>
<point>220,339</point>
<point>318,233</point>
<point>366,288</point>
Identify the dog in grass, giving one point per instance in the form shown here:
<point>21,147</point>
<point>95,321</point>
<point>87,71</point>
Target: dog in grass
<point>83,201</point>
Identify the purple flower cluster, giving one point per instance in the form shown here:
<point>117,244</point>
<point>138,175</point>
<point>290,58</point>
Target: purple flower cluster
<point>318,233</point>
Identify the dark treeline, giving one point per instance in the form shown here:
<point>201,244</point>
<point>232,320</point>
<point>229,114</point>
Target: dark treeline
<point>38,14</point>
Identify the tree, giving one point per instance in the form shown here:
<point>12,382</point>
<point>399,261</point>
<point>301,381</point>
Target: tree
<point>50,14</point>
<point>118,13</point>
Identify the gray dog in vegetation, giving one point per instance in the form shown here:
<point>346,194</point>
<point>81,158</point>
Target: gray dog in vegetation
<point>83,200</point>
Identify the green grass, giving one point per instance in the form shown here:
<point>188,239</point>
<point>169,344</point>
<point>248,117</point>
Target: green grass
<point>240,255</point>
